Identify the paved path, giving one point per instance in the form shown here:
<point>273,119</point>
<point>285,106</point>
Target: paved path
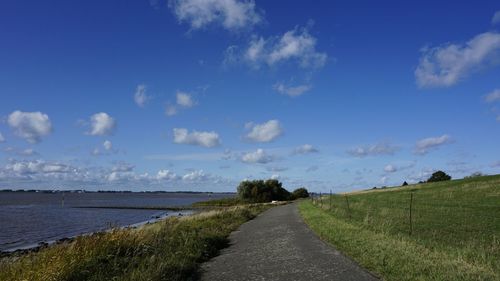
<point>277,245</point>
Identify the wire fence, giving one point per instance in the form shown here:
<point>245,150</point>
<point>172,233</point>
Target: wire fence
<point>452,216</point>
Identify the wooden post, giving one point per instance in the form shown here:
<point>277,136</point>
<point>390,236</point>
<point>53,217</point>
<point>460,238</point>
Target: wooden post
<point>330,199</point>
<point>411,205</point>
<point>320,200</point>
<point>348,209</point>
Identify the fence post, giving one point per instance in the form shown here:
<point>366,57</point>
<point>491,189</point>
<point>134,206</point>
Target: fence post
<point>348,209</point>
<point>320,200</point>
<point>411,205</point>
<point>330,199</point>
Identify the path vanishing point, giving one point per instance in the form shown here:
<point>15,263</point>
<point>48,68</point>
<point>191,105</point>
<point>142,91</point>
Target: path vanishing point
<point>277,245</point>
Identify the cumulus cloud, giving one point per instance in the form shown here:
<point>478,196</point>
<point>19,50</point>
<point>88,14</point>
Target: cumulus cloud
<point>258,156</point>
<point>2,139</point>
<point>382,148</point>
<point>101,124</point>
<point>264,132</point>
<point>230,14</point>
<point>28,168</point>
<point>197,175</point>
<point>140,96</point>
<point>496,18</point>
<point>170,110</point>
<point>31,126</point>
<point>294,46</point>
<point>423,146</point>
<point>276,169</point>
<point>291,91</point>
<point>446,65</point>
<point>390,169</point>
<point>184,99</point>
<point>304,149</point>
<point>107,145</point>
<point>493,96</point>
<point>122,167</point>
<point>21,152</point>
<point>205,139</point>
<point>166,175</point>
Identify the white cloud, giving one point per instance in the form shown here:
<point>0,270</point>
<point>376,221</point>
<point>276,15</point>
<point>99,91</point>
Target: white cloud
<point>276,169</point>
<point>184,99</point>
<point>198,175</point>
<point>26,168</point>
<point>166,175</point>
<point>2,139</point>
<point>21,152</point>
<point>304,149</point>
<point>122,167</point>
<point>31,126</point>
<point>170,110</point>
<point>423,146</point>
<point>390,169</point>
<point>107,145</point>
<point>291,91</point>
<point>382,148</point>
<point>101,124</point>
<point>493,96</point>
<point>496,18</point>
<point>294,45</point>
<point>383,180</point>
<point>264,132</point>
<point>140,96</point>
<point>231,14</point>
<point>447,64</point>
<point>206,139</point>
<point>275,177</point>
<point>258,156</point>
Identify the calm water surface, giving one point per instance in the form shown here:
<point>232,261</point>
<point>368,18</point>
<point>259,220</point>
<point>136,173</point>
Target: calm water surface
<point>27,218</point>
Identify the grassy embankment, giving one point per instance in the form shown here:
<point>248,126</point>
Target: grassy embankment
<point>171,249</point>
<point>455,229</point>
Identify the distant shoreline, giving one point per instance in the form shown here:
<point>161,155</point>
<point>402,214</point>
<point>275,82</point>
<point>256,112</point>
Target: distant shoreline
<point>107,191</point>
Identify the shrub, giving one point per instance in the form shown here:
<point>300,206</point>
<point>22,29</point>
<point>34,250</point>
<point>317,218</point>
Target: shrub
<point>439,176</point>
<point>300,192</point>
<point>475,175</point>
<point>262,191</point>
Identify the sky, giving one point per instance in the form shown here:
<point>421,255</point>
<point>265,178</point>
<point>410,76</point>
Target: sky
<point>199,95</point>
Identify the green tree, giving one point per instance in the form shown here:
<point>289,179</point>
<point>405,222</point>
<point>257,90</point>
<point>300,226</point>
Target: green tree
<point>439,176</point>
<point>262,191</point>
<point>300,192</point>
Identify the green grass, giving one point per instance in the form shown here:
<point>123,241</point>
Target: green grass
<point>455,235</point>
<point>171,249</point>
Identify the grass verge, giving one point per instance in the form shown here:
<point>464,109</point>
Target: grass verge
<point>455,235</point>
<point>171,249</point>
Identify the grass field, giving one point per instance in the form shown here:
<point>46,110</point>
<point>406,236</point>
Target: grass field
<point>171,249</point>
<point>454,233</point>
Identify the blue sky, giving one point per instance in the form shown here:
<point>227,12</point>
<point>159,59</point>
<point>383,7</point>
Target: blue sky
<point>199,95</point>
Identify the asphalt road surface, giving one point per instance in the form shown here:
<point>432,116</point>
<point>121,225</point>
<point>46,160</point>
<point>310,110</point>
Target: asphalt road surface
<point>278,245</point>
